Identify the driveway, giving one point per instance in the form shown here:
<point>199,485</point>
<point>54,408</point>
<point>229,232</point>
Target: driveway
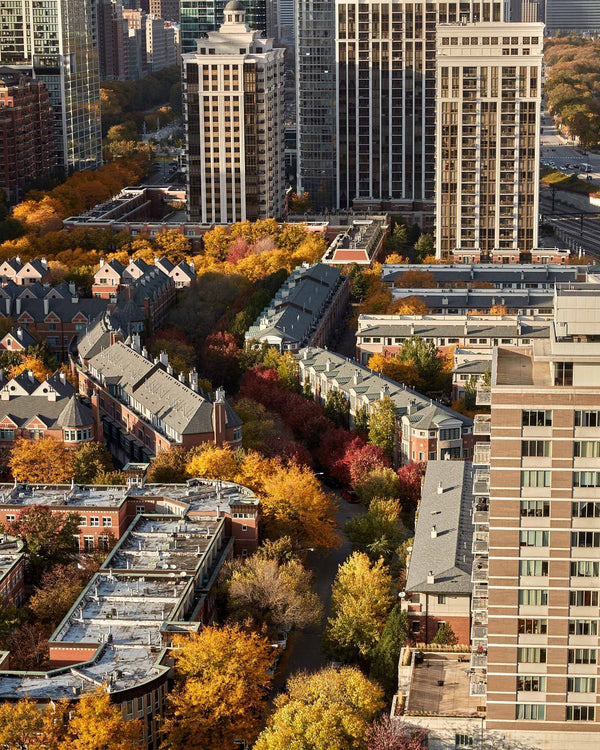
<point>304,649</point>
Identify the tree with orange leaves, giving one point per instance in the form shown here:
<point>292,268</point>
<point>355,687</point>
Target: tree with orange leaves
<point>35,364</point>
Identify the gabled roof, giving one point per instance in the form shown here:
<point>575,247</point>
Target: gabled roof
<point>164,264</point>
<point>96,336</point>
<point>19,335</point>
<point>448,555</point>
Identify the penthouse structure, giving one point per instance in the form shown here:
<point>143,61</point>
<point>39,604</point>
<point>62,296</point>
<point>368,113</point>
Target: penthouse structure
<point>361,243</point>
<point>426,430</point>
<point>141,407</point>
<point>487,142</point>
<point>526,302</point>
<point>234,124</point>
<point>307,310</point>
<point>438,577</point>
<point>158,581</point>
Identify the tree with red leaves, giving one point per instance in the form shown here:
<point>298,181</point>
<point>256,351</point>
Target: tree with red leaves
<point>386,734</point>
<point>220,360</point>
<point>411,477</point>
<point>363,458</point>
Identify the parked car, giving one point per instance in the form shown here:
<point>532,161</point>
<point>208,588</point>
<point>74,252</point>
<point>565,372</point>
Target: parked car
<point>350,496</point>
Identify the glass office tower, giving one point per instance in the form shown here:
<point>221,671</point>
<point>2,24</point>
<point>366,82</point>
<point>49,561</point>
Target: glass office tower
<point>198,17</point>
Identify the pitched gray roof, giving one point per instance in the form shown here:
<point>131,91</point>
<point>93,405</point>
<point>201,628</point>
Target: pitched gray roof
<point>96,336</point>
<point>495,274</point>
<point>75,414</point>
<point>448,556</point>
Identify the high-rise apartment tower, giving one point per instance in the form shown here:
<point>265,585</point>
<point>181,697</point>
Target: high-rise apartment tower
<point>54,39</point>
<point>487,137</point>
<point>234,124</point>
<point>199,17</point>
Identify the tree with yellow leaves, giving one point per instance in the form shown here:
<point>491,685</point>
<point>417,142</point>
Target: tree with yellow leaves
<point>213,462</point>
<point>294,504</point>
<point>21,726</point>
<point>222,689</point>
<point>35,364</point>
<point>498,310</point>
<point>396,369</point>
<point>408,306</point>
<point>254,468</point>
<point>97,723</point>
<point>328,710</point>
<point>41,461</point>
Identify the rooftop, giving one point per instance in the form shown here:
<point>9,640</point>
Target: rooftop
<point>441,686</point>
<point>517,366</point>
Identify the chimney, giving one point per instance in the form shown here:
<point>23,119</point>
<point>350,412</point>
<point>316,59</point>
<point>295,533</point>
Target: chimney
<point>384,392</point>
<point>164,358</point>
<point>193,377</point>
<point>440,488</point>
<point>18,305</point>
<point>170,370</point>
<point>328,365</point>
<point>30,375</point>
<point>434,532</point>
<point>7,301</point>
<point>220,417</point>
<point>101,262</point>
<point>155,259</point>
<point>62,376</point>
<point>72,288</point>
<point>44,262</point>
<point>356,376</point>
<point>136,343</point>
<point>144,352</point>
<point>20,333</point>
<point>18,258</point>
<point>430,577</point>
<point>75,300</point>
<point>46,306</point>
<point>181,377</point>
<point>192,266</point>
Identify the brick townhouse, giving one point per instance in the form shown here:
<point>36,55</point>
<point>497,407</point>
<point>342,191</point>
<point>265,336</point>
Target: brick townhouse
<point>24,274</point>
<point>142,408</point>
<point>426,429</point>
<point>112,276</point>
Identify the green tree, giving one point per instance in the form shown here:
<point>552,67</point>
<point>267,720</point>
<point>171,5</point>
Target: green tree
<point>90,460</point>
<point>424,355</point>
<point>424,246</point>
<point>337,408</point>
<point>378,532</point>
<point>361,599</point>
<point>382,425</point>
<point>445,636</point>
<point>328,710</point>
<point>358,283</point>
<point>398,242</point>
<point>384,665</point>
<point>361,420</point>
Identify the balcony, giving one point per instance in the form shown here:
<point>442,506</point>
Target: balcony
<point>481,482</point>
<point>482,424</point>
<point>479,659</point>
<point>480,543</point>
<point>478,686</point>
<point>483,395</point>
<point>481,454</point>
<point>480,570</point>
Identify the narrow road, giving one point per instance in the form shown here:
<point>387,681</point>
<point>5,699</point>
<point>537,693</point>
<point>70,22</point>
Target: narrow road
<point>304,649</point>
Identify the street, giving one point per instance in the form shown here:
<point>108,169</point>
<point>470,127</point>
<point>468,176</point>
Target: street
<point>304,649</point>
<point>556,149</point>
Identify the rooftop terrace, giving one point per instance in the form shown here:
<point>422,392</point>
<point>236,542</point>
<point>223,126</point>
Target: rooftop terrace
<point>440,686</point>
<point>517,366</point>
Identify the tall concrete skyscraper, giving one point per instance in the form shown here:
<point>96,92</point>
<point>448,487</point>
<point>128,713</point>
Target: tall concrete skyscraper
<point>198,17</point>
<point>54,39</point>
<point>539,586</point>
<point>234,124</point>
<point>365,78</point>
<point>487,138</point>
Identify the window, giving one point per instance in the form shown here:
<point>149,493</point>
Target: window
<point>106,521</point>
<point>441,599</point>
<point>415,626</point>
<point>533,597</point>
<point>532,626</point>
<point>585,539</point>
<point>586,509</point>
<point>535,478</point>
<point>10,517</point>
<point>533,711</point>
<point>583,627</point>
<point>537,418</point>
<point>244,527</point>
<point>586,479</point>
<point>7,434</point>
<point>533,567</point>
<point>587,419</point>
<point>82,521</point>
<point>452,433</point>
<point>533,684</point>
<point>463,741</point>
<point>581,684</point>
<point>583,598</point>
<point>36,434</point>
<point>531,655</point>
<point>585,569</point>
<point>563,373</point>
<point>535,508</point>
<point>535,448</point>
<point>586,449</point>
<point>140,508</point>
<point>580,713</point>
<point>582,656</point>
<point>533,538</point>
<point>94,521</point>
<point>88,543</point>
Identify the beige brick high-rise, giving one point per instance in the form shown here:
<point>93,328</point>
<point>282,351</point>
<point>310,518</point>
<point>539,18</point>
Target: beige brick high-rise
<point>487,137</point>
<point>544,532</point>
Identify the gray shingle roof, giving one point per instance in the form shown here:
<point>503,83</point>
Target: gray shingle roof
<point>448,556</point>
<point>75,414</point>
<point>518,274</point>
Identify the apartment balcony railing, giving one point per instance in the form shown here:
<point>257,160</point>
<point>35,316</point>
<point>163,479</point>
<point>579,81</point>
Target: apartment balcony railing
<point>481,482</point>
<point>481,517</point>
<point>483,395</point>
<point>478,686</point>
<point>480,542</point>
<point>480,571</point>
<point>481,454</point>
<point>482,424</point>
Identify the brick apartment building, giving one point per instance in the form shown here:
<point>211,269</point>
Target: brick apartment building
<point>141,407</point>
<point>438,580</point>
<point>427,430</point>
<point>26,135</point>
<point>24,274</point>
